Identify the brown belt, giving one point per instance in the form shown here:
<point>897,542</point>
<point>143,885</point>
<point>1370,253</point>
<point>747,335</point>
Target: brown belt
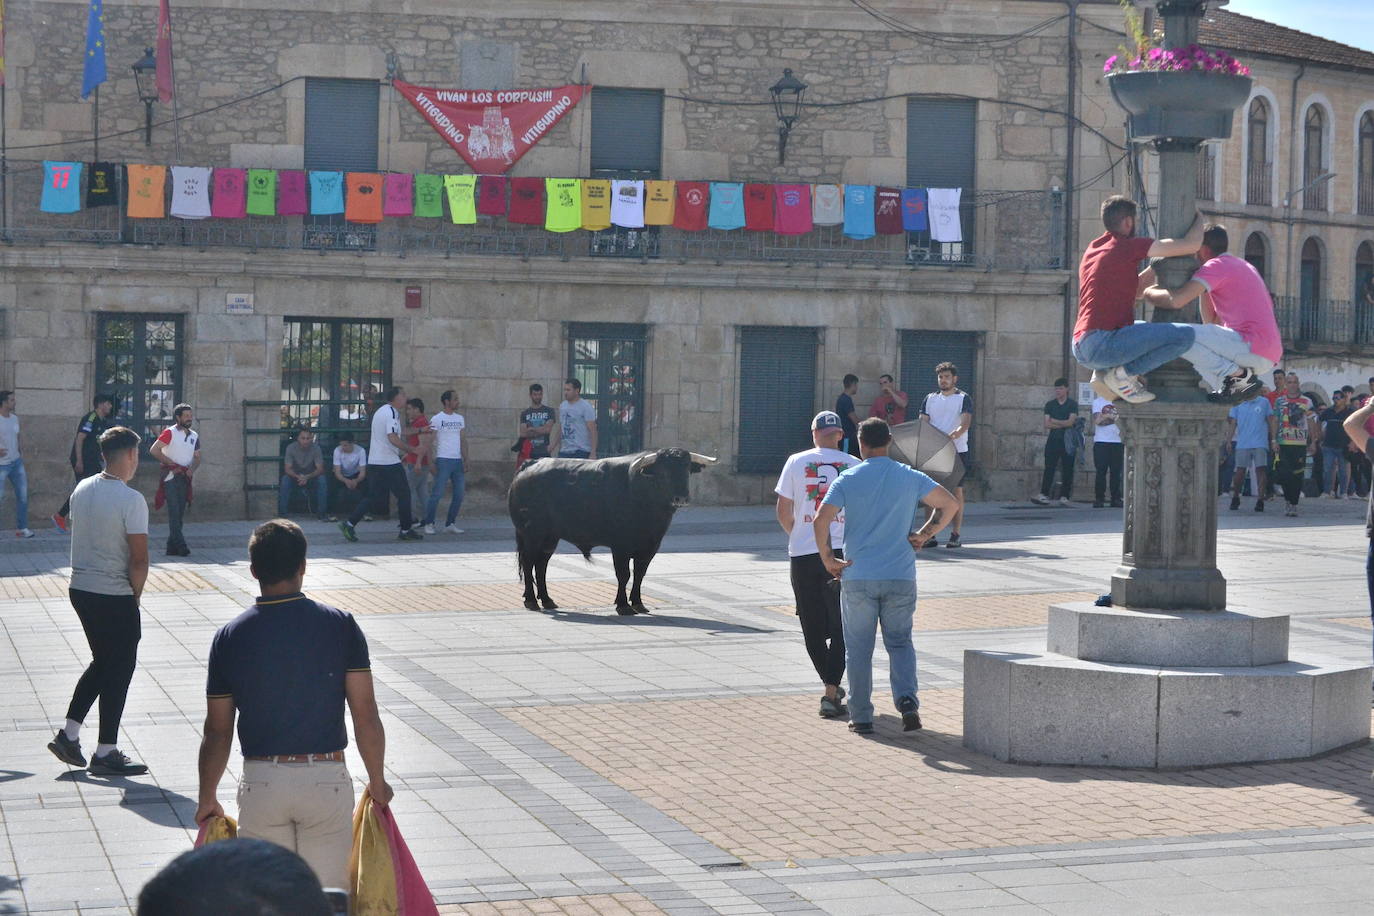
<point>334,756</point>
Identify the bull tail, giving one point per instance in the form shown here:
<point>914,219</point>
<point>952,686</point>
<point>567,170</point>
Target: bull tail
<point>586,553</point>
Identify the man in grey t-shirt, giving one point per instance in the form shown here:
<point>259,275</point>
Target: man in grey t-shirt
<point>574,436</point>
<point>303,468</point>
<point>109,523</point>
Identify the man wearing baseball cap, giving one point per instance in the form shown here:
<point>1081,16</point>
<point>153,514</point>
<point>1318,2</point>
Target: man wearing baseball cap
<point>804,481</point>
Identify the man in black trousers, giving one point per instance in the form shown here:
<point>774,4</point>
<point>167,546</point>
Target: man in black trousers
<point>384,469</point>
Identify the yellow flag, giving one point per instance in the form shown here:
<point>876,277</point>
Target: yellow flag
<point>596,204</point>
<point>462,204</point>
<point>563,212</point>
<point>660,198</point>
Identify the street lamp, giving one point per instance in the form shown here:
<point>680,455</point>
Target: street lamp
<point>787,104</point>
<point>145,76</point>
<point>1288,218</point>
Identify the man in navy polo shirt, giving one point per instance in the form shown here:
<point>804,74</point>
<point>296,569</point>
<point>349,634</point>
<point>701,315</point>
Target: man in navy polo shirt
<point>286,666</point>
<point>882,500</point>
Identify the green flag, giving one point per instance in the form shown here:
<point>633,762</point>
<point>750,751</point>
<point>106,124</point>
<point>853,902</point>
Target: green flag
<point>262,192</point>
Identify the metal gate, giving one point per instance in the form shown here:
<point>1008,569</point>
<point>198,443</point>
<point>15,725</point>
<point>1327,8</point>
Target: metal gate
<point>777,395</point>
<point>608,359</point>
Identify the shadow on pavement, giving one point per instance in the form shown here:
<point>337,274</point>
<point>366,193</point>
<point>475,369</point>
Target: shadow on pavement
<point>11,776</point>
<point>150,802</point>
<point>656,620</point>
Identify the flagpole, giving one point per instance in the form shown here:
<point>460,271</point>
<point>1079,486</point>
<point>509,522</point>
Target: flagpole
<point>4,159</point>
<point>171,60</point>
<point>95,125</point>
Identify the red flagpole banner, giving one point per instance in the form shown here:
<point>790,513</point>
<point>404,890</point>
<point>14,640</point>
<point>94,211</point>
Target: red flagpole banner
<point>164,52</point>
<point>492,128</point>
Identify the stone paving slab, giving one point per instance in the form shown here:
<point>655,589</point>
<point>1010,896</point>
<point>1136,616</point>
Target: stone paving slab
<point>422,598</point>
<point>981,612</point>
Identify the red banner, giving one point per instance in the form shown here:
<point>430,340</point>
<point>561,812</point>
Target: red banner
<point>492,128</point>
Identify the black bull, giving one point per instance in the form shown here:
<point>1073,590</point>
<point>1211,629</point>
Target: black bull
<point>623,503</point>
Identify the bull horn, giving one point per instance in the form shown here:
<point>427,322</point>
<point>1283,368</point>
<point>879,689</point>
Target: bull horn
<point>643,461</point>
<point>703,460</point>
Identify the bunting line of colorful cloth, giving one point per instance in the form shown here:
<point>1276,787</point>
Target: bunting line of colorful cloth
<point>556,204</point>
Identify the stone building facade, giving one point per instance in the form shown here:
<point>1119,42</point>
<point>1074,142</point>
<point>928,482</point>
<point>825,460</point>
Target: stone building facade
<point>498,308</point>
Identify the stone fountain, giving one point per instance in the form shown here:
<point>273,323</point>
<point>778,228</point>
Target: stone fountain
<point>1169,676</point>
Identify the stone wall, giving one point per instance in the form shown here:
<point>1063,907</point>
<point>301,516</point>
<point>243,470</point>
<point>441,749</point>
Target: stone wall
<point>487,329</point>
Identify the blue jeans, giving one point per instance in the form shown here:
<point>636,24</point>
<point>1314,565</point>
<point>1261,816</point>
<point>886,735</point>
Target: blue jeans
<point>1369,575</point>
<point>1334,470</point>
<point>575,453</point>
<point>445,469</point>
<point>864,604</point>
<point>1138,348</point>
<point>19,479</point>
<point>318,484</point>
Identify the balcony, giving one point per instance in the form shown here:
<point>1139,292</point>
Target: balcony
<point>1007,230</point>
<point>1314,198</point>
<point>1364,205</point>
<point>1330,324</point>
<point>1259,189</point>
<point>1206,172</point>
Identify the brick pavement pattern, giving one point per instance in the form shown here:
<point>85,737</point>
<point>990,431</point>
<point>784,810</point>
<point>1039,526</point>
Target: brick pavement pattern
<point>592,905</point>
<point>981,612</point>
<point>765,779</point>
<point>49,586</point>
<point>1363,623</point>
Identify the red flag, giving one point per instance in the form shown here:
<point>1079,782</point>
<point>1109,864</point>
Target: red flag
<point>492,129</point>
<point>164,51</point>
<point>2,42</point>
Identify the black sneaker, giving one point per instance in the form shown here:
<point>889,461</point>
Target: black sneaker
<point>410,534</point>
<point>67,750</point>
<point>831,709</point>
<point>861,728</point>
<point>1259,505</point>
<point>348,531</point>
<point>115,763</point>
<point>911,717</point>
<point>1235,503</point>
<point>1099,504</point>
<point>953,541</point>
<point>1118,504</point>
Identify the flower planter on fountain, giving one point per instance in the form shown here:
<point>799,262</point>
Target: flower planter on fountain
<point>1180,104</point>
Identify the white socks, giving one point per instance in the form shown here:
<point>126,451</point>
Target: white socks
<point>72,730</point>
<point>102,749</point>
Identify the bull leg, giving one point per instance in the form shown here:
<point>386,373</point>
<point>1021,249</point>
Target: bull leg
<point>527,562</point>
<point>622,575</point>
<point>642,561</point>
<point>541,568</point>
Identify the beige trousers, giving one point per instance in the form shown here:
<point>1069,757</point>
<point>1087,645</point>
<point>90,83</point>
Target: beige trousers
<point>306,807</point>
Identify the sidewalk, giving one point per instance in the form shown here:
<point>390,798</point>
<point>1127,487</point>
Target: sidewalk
<point>579,762</point>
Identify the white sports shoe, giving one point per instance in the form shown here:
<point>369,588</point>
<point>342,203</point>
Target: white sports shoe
<point>1064,501</point>
<point>24,533</point>
<point>453,529</point>
<point>1127,387</point>
<point>429,529</point>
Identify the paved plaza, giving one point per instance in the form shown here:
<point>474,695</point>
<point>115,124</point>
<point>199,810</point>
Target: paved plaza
<point>578,762</point>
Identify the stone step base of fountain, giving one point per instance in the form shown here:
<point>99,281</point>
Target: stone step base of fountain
<point>1237,637</point>
<point>1037,707</point>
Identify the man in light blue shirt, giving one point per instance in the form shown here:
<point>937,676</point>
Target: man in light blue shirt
<point>1250,438</point>
<point>881,499</point>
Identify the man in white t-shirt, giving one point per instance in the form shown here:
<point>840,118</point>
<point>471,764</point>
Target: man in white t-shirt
<point>384,471</point>
<point>1108,453</point>
<point>178,450</point>
<point>575,434</point>
<point>350,469</point>
<point>805,479</point>
<point>950,410</point>
<point>450,457</point>
<point>12,465</point>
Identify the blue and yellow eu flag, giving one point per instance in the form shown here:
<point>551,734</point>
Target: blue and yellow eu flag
<point>94,73</point>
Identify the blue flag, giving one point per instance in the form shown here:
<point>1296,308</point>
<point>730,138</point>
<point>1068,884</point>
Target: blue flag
<point>94,73</point>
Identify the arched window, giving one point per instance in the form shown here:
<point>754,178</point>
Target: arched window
<point>1206,172</point>
<point>1257,253</point>
<point>1257,187</point>
<point>1310,291</point>
<point>1366,172</point>
<point>1314,159</point>
<point>1364,293</point>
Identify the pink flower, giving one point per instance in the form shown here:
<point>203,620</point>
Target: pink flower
<point>1155,54</point>
<point>1110,64</point>
<point>1135,64</point>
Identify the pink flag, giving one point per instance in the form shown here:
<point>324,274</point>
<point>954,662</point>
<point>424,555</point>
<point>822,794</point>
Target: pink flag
<point>164,51</point>
<point>291,197</point>
<point>230,199</point>
<point>399,195</point>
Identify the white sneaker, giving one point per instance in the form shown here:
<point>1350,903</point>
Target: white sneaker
<point>453,529</point>
<point>1064,501</point>
<point>1100,386</point>
<point>24,533</point>
<point>1040,499</point>
<point>429,529</point>
<point>1127,387</point>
